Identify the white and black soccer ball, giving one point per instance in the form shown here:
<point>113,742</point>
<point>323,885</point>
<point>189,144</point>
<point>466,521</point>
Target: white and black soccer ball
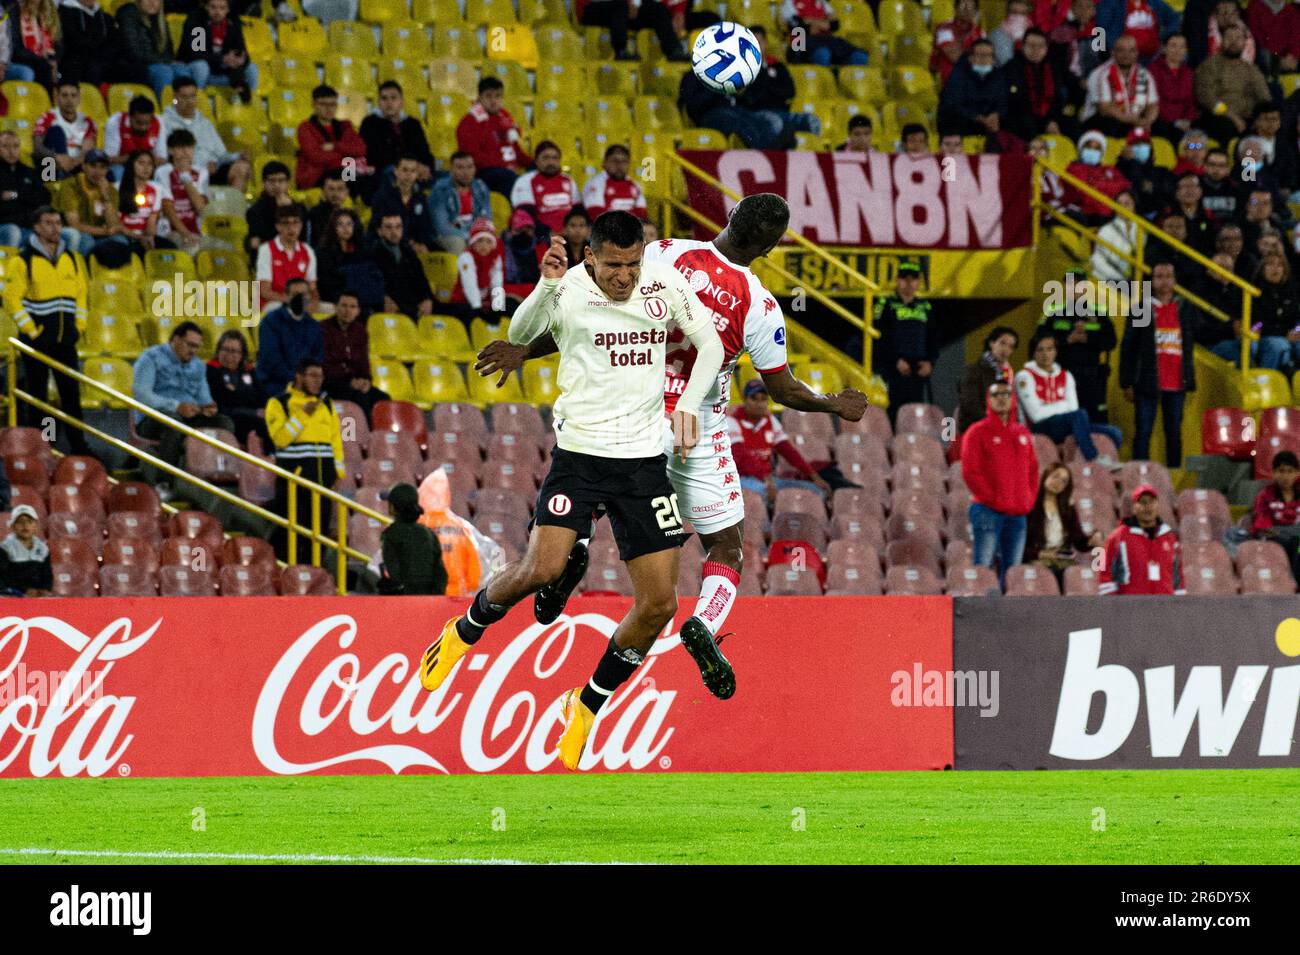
<point>726,57</point>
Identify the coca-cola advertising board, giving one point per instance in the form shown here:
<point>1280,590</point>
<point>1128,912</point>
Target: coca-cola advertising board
<point>288,686</point>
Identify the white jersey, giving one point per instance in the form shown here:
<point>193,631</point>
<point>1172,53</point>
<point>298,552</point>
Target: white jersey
<point>611,375</point>
<point>745,314</point>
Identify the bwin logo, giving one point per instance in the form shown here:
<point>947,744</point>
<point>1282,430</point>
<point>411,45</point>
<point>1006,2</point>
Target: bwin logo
<point>1170,717</point>
<point>103,908</point>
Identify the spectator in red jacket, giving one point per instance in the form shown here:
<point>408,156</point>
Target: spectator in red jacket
<point>1142,555</point>
<point>1276,23</point>
<point>1090,167</point>
<point>755,435</point>
<point>489,134</point>
<point>999,466</point>
<point>1277,504</point>
<point>954,38</point>
<point>1174,79</point>
<point>327,143</point>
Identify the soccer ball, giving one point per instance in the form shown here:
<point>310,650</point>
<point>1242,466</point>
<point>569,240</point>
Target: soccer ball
<point>726,57</point>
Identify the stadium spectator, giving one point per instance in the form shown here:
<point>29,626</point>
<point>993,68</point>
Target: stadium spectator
<point>551,191</point>
<point>612,189</point>
<point>286,336</point>
<point>21,193</point>
<point>1156,367</point>
<point>1265,124</point>
<point>756,435</point>
<point>1001,471</point>
<point>136,128</point>
<point>232,382</point>
<point>344,262</point>
<point>6,490</point>
<point>308,441</point>
<point>1277,24</point>
<point>480,280</point>
<point>390,134</point>
<point>1152,186</point>
<point>993,364</point>
<point>45,293</point>
<point>1146,21</point>
<point>1229,87</point>
<point>89,204</point>
<point>1191,153</point>
<point>1142,555</point>
<point>915,141</point>
<point>1218,191</point>
<point>954,38</point>
<point>1072,50</point>
<point>261,215</point>
<point>524,244</point>
<point>224,168</point>
<point>858,135</point>
<point>212,43</point>
<point>146,43</point>
<point>284,259</point>
<point>456,200</point>
<point>184,188</point>
<point>650,231</point>
<point>403,197</point>
<point>1091,168</point>
<point>411,553</point>
<point>1224,338</point>
<point>1200,223</point>
<point>1008,36</point>
<point>64,133</point>
<point>709,109</point>
<point>1053,536</point>
<point>172,380</point>
<point>25,569</point>
<point>1230,240</point>
<point>325,142</point>
<point>1175,225</point>
<point>1050,401</point>
<point>1275,514</point>
<point>1084,340</point>
<point>1253,175</point>
<point>817,20</point>
<point>35,42</point>
<point>1277,312</point>
<point>1227,14</point>
<point>909,344</point>
<point>139,201</point>
<point>467,555</point>
<point>974,100</point>
<point>489,134</point>
<point>769,96</point>
<point>621,17</point>
<point>950,143</point>
<point>1036,97</point>
<point>686,18</point>
<point>1117,239</point>
<point>1121,93</point>
<point>1050,186</point>
<point>1050,14</point>
<point>1260,219</point>
<point>577,235</point>
<point>90,47</point>
<point>1173,79</point>
<point>334,195</point>
<point>406,290</point>
<point>347,356</point>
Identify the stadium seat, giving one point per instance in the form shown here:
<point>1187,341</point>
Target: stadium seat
<point>305,38</point>
<point>911,552</point>
<point>394,446</point>
<point>257,484</point>
<point>1262,554</point>
<point>383,473</point>
<point>1279,430</point>
<point>507,530</point>
<point>958,553</point>
<point>1145,472</point>
<point>196,526</point>
<point>73,550</point>
<point>1207,502</point>
<point>606,577</point>
<point>352,422</point>
<point>257,580</point>
<point>26,100</point>
<point>1229,432</point>
<point>247,551</point>
<point>918,448</point>
<point>917,476</point>
<point>435,382</point>
<point>206,462</point>
<point>919,581</point>
<point>1260,388</point>
<point>74,579</point>
<point>506,474</point>
<point>28,470</point>
<point>353,39</point>
<point>23,441</point>
<point>392,377</point>
<point>460,417</point>
<point>484,391</point>
<point>967,580</point>
<point>444,337</point>
<point>1031,580</point>
<point>401,417</point>
<point>456,41</point>
<point>132,580</point>
<point>1046,451</point>
<point>75,499</point>
<point>143,524</point>
<point>501,500</point>
<point>125,551</point>
<point>176,581</point>
<point>862,446</point>
<point>113,373</point>
<point>784,580</point>
<point>794,500</point>
<point>854,578</point>
<point>303,580</point>
<point>517,418</point>
<point>216,265</point>
<point>110,335</point>
<point>1260,579</point>
<point>804,527</point>
<point>82,471</point>
<point>363,533</point>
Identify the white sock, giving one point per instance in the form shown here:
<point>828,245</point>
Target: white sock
<point>717,594</point>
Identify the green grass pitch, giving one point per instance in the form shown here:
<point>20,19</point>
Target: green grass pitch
<point>1177,817</point>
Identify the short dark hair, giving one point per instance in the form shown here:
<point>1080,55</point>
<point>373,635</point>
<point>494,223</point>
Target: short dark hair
<point>274,168</point>
<point>350,294</point>
<point>331,175</point>
<point>758,30</point>
<point>408,157</point>
<point>1216,150</point>
<point>758,221</point>
<point>577,212</point>
<point>618,228</point>
<point>1033,31</point>
<point>296,280</point>
<point>459,154</point>
<point>181,138</point>
<point>982,41</point>
<point>490,83</point>
<point>862,119</point>
<point>305,363</point>
<point>140,104</point>
<point>997,332</point>
<point>73,83</point>
<point>1173,268</point>
<point>391,85</point>
<point>183,82</point>
<point>911,129</point>
<point>234,335</point>
<point>1042,336</point>
<point>45,210</point>
<point>618,148</point>
<point>324,91</point>
<point>184,328</point>
<point>291,211</point>
<point>1285,459</point>
<point>544,145</point>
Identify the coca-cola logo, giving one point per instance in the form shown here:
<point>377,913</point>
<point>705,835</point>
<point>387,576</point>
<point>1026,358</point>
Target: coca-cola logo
<point>319,683</point>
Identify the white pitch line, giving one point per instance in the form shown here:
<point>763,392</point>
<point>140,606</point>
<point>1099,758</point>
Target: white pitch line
<point>170,855</point>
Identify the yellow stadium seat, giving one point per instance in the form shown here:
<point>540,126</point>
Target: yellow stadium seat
<point>663,79</point>
<point>540,382</point>
<point>348,38</point>
<point>218,325</point>
<point>500,211</point>
<point>914,85</point>
<point>749,12</point>
<point>481,333</point>
<point>1060,150</point>
<point>1162,153</point>
<point>1114,146</point>
<point>381,12</point>
<point>941,11</point>
<point>813,82</point>
<point>353,106</point>
<point>167,263</point>
<point>1259,388</point>
<point>26,100</point>
<point>1290,83</point>
<point>655,113</point>
<point>440,270</point>
<point>121,94</point>
<point>608,114</point>
<point>484,391</point>
<point>490,13</point>
<point>303,37</point>
<point>543,11</point>
<point>460,41</point>
<point>439,12</point>
<point>132,272</point>
<point>561,81</point>
<point>446,109</point>
<point>157,329</point>
<point>288,106</point>
<point>444,337</point>
<point>899,17</point>
<point>703,139</point>
<point>231,229</point>
<point>855,17</point>
<point>237,111</point>
<point>111,334</point>
<point>259,39</point>
<point>913,51</point>
<point>973,145</point>
<point>294,71</point>
<point>244,137</point>
<point>435,382</point>
<point>406,39</point>
<point>282,139</point>
<point>92,104</point>
<point>113,372</point>
<point>175,24</point>
<point>558,43</point>
<point>614,79</point>
<point>450,75</point>
<point>514,76</point>
<point>345,71</point>
<point>823,378</point>
<point>392,377</point>
<point>598,44</point>
<point>863,83</point>
<point>392,336</point>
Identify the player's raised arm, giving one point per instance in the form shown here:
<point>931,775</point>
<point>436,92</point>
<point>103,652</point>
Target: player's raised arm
<point>785,389</point>
<point>501,356</point>
<point>696,323</point>
<point>542,306</point>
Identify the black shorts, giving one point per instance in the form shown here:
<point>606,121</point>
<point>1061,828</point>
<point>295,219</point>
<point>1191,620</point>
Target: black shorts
<point>634,492</point>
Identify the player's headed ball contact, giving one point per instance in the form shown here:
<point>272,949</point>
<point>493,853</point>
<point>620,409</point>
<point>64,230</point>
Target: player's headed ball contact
<point>726,57</point>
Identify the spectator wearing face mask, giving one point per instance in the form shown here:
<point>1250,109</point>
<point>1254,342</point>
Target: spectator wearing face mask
<point>1006,39</point>
<point>953,39</point>
<point>1142,555</point>
<point>1105,179</point>
<point>286,336</point>
<point>1152,186</point>
<point>974,100</point>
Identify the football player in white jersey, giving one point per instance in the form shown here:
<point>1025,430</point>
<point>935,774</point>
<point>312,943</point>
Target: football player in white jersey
<point>747,318</point>
<point>609,317</point>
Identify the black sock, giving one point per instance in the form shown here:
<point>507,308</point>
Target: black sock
<point>479,617</point>
<point>612,671</point>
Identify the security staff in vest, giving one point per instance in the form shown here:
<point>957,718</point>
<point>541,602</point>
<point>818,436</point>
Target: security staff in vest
<point>45,293</point>
<point>906,350</point>
<point>308,441</point>
<point>1085,336</point>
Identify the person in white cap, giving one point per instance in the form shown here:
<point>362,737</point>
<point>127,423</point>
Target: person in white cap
<point>482,271</point>
<point>25,569</point>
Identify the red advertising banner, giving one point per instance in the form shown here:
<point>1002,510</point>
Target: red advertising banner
<point>327,685</point>
<point>878,200</point>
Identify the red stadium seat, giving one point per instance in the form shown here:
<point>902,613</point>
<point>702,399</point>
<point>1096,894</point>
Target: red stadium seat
<point>690,569</point>
<point>206,462</point>
<point>125,551</point>
<point>303,580</point>
<point>799,554</point>
<point>915,476</point>
<point>814,450</point>
<point>23,441</point>
<point>751,583</point>
<point>140,524</point>
<point>246,551</point>
<point>133,580</point>
<point>802,527</point>
<point>1229,432</point>
<point>184,582</point>
<point>912,580</point>
<point>461,418</point>
<point>88,527</point>
<point>352,422</point>
<point>958,553</point>
<point>257,580</point>
<point>1259,579</point>
<point>786,580</point>
<point>798,500</point>
<point>1092,479</point>
<point>76,499</point>
<point>512,446</point>
<point>1095,514</point>
<point>401,417</point>
<point>1145,472</point>
<point>1031,580</point>
<point>192,553</point>
<point>363,533</point>
<point>132,496</point>
<point>517,418</point>
<point>862,529</point>
<point>1198,529</point>
<point>1104,445</point>
<point>73,550</point>
<point>503,500</point>
<point>810,424</point>
<point>1207,569</point>
<point>1279,430</point>
<point>857,576</point>
<point>28,470</point>
<point>75,579</point>
<point>257,485</point>
<point>916,448</point>
<point>1081,582</point>
<point>509,475</point>
<point>22,494</point>
<point>968,580</point>
<point>910,503</point>
<point>394,446</point>
<point>504,528</point>
<point>914,527</point>
<point>1046,451</point>
<point>1210,503</point>
<point>455,446</point>
<point>860,500</point>
<point>606,574</point>
<point>957,526</point>
<point>383,473</point>
<point>862,446</point>
<point>196,525</point>
<point>916,418</point>
<point>874,421</point>
<point>1262,554</point>
<point>78,469</point>
<point>854,552</point>
<point>912,553</point>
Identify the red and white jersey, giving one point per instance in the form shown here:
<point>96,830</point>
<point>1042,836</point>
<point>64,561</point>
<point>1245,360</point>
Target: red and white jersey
<point>277,265</point>
<point>80,132</point>
<point>553,196</point>
<point>745,314</point>
<point>148,201</point>
<point>1045,394</point>
<point>605,194</point>
<point>121,140</point>
<point>171,183</point>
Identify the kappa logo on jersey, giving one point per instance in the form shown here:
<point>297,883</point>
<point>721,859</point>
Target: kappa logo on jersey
<point>665,244</point>
<point>768,305</point>
<point>651,289</point>
<point>656,308</point>
<point>559,504</point>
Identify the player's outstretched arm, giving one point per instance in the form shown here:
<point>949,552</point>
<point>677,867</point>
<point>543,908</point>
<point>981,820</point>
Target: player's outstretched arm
<point>541,308</point>
<point>501,356</point>
<point>785,389</point>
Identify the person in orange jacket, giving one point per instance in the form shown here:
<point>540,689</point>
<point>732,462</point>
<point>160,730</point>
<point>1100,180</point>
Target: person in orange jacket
<point>468,555</point>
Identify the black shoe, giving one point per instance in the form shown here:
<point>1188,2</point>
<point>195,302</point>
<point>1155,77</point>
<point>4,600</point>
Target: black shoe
<point>719,678</point>
<point>549,602</point>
